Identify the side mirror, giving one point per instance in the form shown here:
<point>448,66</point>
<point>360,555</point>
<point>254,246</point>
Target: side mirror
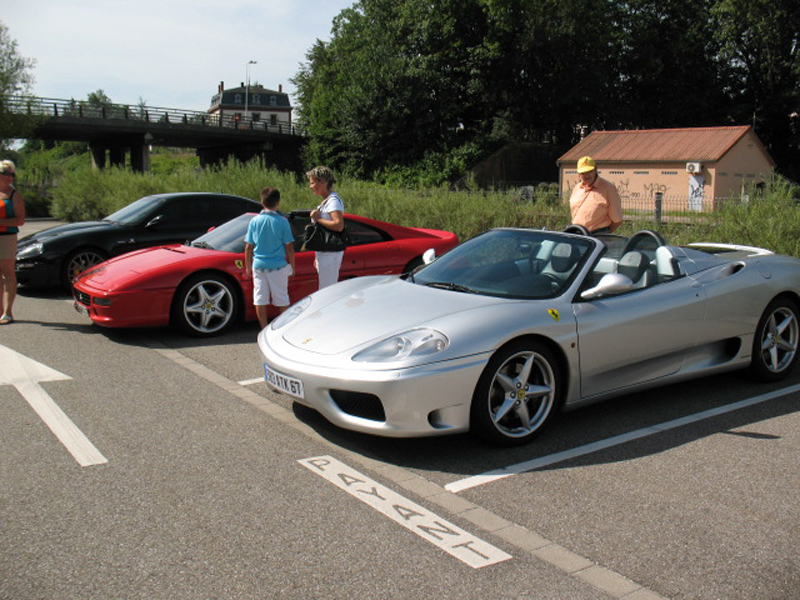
<point>429,256</point>
<point>612,283</point>
<point>154,221</point>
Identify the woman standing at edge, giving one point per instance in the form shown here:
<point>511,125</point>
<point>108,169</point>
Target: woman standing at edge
<point>330,214</point>
<point>12,215</point>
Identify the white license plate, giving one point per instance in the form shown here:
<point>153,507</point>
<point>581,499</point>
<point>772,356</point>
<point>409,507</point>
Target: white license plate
<point>284,383</point>
<point>81,309</point>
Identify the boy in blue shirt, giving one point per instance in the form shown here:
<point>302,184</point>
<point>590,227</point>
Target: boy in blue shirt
<point>269,256</point>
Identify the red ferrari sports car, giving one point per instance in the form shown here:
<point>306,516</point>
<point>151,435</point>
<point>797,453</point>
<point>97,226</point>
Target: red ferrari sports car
<point>201,286</point>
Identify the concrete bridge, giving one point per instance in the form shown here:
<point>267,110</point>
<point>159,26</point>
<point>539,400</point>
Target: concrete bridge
<point>116,130</point>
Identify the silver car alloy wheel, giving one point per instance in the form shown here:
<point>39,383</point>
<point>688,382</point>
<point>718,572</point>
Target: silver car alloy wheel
<point>208,306</point>
<point>779,339</point>
<point>81,260</point>
<point>517,394</point>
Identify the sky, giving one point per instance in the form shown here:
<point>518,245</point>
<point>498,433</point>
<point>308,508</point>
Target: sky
<point>167,53</point>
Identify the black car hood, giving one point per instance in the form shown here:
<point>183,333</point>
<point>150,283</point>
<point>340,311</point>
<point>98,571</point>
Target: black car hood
<point>69,229</point>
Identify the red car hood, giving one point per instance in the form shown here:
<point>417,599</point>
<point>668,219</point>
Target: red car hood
<point>122,270</point>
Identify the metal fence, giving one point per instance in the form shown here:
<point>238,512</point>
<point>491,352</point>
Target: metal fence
<point>56,108</point>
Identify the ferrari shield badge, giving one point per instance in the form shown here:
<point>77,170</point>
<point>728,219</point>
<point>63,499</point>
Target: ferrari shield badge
<point>554,313</point>
<point>239,264</point>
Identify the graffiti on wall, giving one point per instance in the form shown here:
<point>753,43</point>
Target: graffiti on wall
<point>642,195</point>
<point>696,190</point>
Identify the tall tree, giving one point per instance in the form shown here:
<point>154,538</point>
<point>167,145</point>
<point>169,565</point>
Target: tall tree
<point>15,78</point>
<point>402,80</point>
<point>761,39</point>
<point>669,69</point>
<point>397,80</point>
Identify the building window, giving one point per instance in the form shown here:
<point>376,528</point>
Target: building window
<point>273,119</point>
<point>273,101</point>
<point>256,98</point>
<point>256,116</point>
<point>237,99</point>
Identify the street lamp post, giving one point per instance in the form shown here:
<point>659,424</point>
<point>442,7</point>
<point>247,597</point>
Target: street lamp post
<point>247,85</point>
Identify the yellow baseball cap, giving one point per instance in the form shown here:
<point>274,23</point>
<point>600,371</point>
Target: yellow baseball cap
<point>585,164</point>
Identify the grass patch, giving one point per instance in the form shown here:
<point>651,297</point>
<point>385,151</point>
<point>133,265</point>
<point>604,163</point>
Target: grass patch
<point>770,221</point>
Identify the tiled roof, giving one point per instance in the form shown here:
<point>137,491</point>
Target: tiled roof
<point>659,145</point>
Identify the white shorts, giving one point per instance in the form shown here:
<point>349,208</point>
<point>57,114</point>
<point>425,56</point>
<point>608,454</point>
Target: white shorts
<point>328,265</point>
<point>274,282</point>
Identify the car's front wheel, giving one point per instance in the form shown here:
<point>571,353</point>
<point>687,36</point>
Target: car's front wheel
<point>518,392</point>
<point>205,305</point>
<point>776,340</point>
<point>78,261</point>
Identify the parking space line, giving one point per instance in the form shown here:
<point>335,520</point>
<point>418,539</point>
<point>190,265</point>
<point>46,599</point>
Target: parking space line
<point>545,461</point>
<point>573,565</point>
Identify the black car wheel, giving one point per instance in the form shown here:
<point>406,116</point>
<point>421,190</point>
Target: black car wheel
<point>205,305</point>
<point>517,394</point>
<point>78,261</point>
<point>776,340</point>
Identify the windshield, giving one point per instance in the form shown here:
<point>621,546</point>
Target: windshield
<point>514,263</point>
<point>228,237</point>
<point>136,211</point>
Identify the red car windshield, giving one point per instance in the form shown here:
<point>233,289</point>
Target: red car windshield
<point>228,237</point>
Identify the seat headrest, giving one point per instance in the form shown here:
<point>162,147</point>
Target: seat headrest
<point>564,257</point>
<point>633,265</point>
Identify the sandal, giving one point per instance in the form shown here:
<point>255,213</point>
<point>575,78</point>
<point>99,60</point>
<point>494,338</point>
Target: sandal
<point>6,320</point>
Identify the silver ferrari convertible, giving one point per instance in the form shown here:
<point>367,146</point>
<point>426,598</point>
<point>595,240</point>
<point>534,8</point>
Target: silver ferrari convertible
<point>504,331</point>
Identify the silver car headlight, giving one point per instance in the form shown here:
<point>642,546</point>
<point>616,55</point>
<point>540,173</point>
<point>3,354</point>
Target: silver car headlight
<point>30,251</point>
<point>290,314</point>
<point>409,344</point>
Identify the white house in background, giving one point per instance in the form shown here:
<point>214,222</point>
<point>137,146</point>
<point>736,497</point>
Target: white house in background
<point>254,104</point>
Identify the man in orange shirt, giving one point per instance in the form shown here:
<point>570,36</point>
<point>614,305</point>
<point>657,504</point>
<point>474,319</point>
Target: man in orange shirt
<point>595,202</point>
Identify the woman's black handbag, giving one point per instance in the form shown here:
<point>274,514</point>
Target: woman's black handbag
<point>321,239</point>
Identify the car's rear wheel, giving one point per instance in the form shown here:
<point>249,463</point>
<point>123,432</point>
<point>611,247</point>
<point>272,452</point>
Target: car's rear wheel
<point>78,261</point>
<point>205,305</point>
<point>776,341</point>
<point>518,392</point>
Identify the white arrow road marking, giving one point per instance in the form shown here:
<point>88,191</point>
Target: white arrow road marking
<point>452,539</point>
<point>25,374</point>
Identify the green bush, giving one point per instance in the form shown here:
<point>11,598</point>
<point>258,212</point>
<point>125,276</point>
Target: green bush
<point>74,191</point>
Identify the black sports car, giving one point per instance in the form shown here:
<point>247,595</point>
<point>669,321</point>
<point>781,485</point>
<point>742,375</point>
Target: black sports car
<point>54,256</point>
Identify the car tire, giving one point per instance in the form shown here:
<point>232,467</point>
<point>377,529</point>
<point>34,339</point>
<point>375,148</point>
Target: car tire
<point>78,261</point>
<point>205,305</point>
<point>775,345</point>
<point>517,394</point>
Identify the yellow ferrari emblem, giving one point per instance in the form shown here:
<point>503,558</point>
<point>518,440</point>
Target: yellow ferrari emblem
<point>554,313</point>
<point>239,264</point>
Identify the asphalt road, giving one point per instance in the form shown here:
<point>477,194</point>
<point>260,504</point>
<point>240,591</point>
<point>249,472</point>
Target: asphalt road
<point>184,477</point>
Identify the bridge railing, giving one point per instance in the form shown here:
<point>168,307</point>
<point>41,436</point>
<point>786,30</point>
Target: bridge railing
<point>58,108</point>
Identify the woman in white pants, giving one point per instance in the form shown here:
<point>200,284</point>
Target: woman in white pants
<point>330,214</point>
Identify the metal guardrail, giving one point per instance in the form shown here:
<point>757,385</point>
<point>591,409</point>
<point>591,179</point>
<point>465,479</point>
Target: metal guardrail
<point>56,108</point>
